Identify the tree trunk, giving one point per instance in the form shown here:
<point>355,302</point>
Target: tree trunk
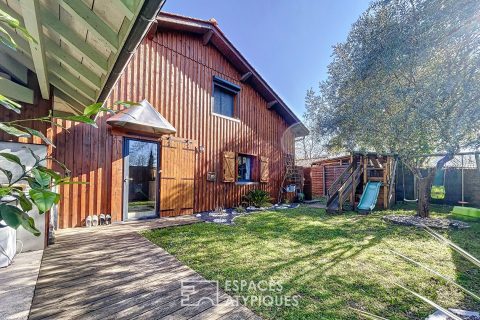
<point>424,192</point>
<point>425,186</point>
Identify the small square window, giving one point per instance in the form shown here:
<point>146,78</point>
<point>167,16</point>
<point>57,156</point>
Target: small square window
<point>245,168</point>
<point>224,94</point>
<point>223,102</point>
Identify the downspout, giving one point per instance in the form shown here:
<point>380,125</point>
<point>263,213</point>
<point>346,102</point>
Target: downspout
<point>146,17</point>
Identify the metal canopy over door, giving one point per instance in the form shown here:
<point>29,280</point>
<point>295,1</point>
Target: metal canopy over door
<point>177,181</point>
<point>140,191</point>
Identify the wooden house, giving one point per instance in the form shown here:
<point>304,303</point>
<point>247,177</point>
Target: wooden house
<point>208,130</point>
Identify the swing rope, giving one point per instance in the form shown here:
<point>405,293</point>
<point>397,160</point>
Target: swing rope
<point>403,182</point>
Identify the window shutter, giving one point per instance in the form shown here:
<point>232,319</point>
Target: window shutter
<point>264,169</point>
<point>229,166</point>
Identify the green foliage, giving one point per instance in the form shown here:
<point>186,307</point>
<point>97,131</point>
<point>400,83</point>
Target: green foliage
<point>300,197</point>
<point>240,209</point>
<point>15,217</point>
<point>256,198</point>
<point>40,178</point>
<point>9,104</point>
<point>405,81</point>
<point>13,23</point>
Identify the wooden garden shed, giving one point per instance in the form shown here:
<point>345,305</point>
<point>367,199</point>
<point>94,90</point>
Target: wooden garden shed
<point>324,172</point>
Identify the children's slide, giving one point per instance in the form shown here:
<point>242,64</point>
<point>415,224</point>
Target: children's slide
<point>369,197</point>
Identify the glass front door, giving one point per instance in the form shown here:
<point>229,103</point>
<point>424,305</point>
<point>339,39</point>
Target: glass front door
<point>141,179</point>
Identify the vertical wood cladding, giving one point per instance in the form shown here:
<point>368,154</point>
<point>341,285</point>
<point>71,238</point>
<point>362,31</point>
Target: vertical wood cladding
<point>174,72</point>
<point>39,108</point>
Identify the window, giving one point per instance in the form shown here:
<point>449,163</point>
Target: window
<point>223,102</point>
<point>224,94</point>
<point>244,168</point>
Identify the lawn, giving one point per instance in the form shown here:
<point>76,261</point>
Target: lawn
<point>331,262</point>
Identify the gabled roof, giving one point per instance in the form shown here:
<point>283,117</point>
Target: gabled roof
<point>212,34</point>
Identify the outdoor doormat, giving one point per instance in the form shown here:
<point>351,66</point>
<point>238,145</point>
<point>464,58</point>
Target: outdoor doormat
<point>439,223</point>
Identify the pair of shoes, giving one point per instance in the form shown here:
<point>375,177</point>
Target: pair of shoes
<point>91,221</point>
<point>88,221</point>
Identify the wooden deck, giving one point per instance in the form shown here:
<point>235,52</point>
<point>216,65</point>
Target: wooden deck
<point>17,284</point>
<point>112,272</point>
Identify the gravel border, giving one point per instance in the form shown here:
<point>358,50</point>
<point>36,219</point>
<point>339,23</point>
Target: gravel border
<point>466,315</point>
<point>227,216</point>
<point>416,221</point>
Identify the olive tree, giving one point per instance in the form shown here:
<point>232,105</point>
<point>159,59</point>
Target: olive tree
<point>406,81</point>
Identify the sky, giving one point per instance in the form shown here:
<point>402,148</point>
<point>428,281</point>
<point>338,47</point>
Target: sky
<point>288,42</point>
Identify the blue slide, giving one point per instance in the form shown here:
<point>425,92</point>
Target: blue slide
<point>369,197</point>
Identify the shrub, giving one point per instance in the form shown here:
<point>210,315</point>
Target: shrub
<point>240,209</point>
<point>256,198</point>
<point>300,197</point>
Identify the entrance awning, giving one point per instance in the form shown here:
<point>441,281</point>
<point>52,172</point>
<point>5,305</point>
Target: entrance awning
<point>143,118</point>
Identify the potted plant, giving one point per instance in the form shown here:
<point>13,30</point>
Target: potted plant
<point>8,238</point>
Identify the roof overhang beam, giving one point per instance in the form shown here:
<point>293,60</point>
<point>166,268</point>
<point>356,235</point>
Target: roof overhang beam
<point>207,37</point>
<point>246,76</point>
<point>271,104</point>
<point>15,91</point>
<point>31,18</point>
<point>72,39</point>
<point>93,22</point>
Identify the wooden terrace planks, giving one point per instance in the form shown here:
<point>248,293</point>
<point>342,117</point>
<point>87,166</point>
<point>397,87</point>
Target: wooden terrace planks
<point>112,272</point>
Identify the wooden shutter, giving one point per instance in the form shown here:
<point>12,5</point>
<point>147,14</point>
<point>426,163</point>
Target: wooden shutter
<point>117,179</point>
<point>177,178</point>
<point>229,171</point>
<point>264,169</point>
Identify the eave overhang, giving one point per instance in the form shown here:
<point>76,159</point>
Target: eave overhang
<point>80,47</point>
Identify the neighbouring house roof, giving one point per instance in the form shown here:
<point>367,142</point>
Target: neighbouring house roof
<point>212,34</point>
<point>347,157</point>
<point>81,47</point>
<point>307,162</point>
<point>330,159</point>
<point>143,118</point>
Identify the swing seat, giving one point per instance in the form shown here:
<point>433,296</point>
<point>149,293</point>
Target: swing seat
<point>438,192</point>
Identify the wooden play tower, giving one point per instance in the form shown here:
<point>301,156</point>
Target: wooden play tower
<point>366,173</point>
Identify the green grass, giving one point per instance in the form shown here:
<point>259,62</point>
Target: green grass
<point>332,262</point>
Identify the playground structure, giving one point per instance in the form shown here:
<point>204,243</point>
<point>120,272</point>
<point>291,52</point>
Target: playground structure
<point>363,182</point>
<point>457,184</point>
<point>366,180</point>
